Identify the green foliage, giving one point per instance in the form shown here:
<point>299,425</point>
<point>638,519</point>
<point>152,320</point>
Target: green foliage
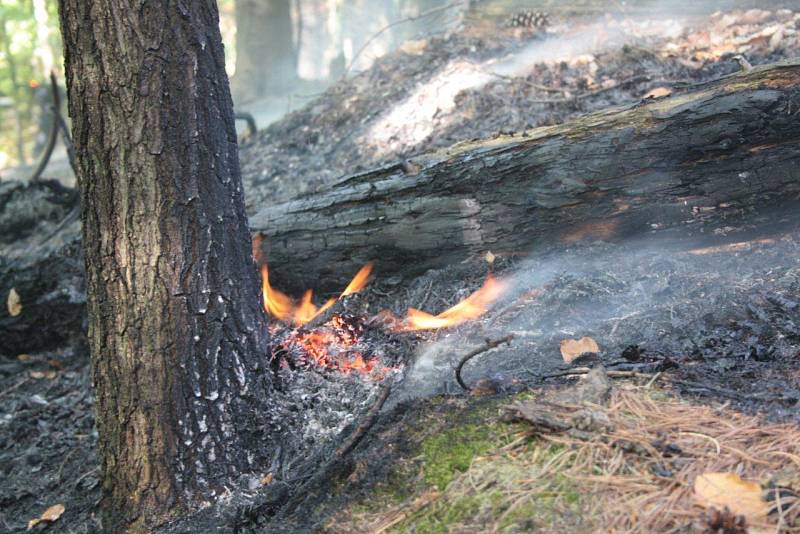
<point>26,44</point>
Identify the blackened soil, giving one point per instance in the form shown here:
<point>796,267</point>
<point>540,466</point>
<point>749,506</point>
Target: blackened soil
<point>47,441</point>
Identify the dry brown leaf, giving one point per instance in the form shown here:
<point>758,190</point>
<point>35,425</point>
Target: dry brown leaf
<point>414,47</point>
<point>659,92</point>
<point>49,515</point>
<point>14,303</point>
<point>267,479</point>
<point>50,375</point>
<point>721,490</point>
<point>572,348</point>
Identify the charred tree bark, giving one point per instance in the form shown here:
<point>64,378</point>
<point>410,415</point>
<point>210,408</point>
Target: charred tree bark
<point>177,334</point>
<point>266,56</point>
<point>688,164</point>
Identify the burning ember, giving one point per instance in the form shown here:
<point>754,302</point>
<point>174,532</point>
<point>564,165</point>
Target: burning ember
<point>337,343</point>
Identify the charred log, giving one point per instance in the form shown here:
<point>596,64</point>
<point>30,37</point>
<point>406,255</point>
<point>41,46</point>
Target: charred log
<point>689,165</point>
<point>681,166</point>
<point>47,278</point>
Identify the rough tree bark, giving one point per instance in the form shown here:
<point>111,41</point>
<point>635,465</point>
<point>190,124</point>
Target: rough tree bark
<point>266,56</point>
<point>692,163</point>
<point>177,334</point>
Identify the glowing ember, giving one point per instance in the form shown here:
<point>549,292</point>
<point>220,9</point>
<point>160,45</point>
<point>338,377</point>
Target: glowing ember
<point>335,344</point>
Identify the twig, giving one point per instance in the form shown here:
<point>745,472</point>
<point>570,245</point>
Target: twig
<point>73,214</point>
<point>517,79</point>
<point>15,386</point>
<point>580,371</point>
<point>249,119</point>
<point>693,387</point>
<point>589,94</point>
<point>393,24</point>
<point>362,429</point>
<point>697,387</point>
<point>52,135</point>
<point>490,344</point>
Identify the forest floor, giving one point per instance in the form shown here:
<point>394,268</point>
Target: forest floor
<point>701,339</point>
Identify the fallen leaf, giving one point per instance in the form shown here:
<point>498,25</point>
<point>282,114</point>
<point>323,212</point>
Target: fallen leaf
<point>414,47</point>
<point>267,479</point>
<point>53,513</point>
<point>50,375</point>
<point>572,348</point>
<point>742,497</point>
<point>489,257</point>
<point>49,515</point>
<point>14,303</point>
<point>659,92</point>
<point>24,357</point>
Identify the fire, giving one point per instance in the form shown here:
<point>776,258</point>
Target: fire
<point>470,308</point>
<point>283,308</point>
<point>334,345</point>
<point>337,344</point>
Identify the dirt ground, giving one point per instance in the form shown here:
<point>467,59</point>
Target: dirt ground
<point>721,325</point>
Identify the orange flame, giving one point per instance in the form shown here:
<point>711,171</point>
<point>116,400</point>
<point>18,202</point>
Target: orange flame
<point>358,282</point>
<point>283,308</point>
<point>470,308</point>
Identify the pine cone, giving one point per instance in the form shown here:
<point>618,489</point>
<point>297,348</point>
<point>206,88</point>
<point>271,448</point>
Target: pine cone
<point>529,19</point>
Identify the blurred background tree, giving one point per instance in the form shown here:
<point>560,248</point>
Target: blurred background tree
<point>29,44</point>
<point>279,53</point>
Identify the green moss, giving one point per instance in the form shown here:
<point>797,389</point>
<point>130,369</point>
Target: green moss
<point>451,452</point>
<point>489,499</point>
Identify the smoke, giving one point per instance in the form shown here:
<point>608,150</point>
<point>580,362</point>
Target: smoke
<point>661,297</point>
<point>426,109</point>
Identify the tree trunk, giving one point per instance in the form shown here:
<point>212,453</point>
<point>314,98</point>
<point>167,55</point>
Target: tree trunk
<point>687,164</point>
<point>266,57</point>
<point>176,330</point>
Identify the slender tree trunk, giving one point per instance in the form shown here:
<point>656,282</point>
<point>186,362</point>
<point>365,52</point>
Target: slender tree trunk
<point>266,57</point>
<point>12,73</point>
<point>177,334</point>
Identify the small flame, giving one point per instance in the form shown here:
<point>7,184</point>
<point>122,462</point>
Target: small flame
<point>470,308</point>
<point>283,308</point>
<point>358,282</point>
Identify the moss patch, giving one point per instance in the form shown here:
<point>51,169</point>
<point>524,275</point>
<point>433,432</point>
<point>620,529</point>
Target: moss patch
<point>486,497</point>
<point>450,453</point>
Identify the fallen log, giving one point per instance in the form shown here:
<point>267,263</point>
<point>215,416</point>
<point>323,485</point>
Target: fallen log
<point>41,268</point>
<point>688,164</point>
<point>693,164</point>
